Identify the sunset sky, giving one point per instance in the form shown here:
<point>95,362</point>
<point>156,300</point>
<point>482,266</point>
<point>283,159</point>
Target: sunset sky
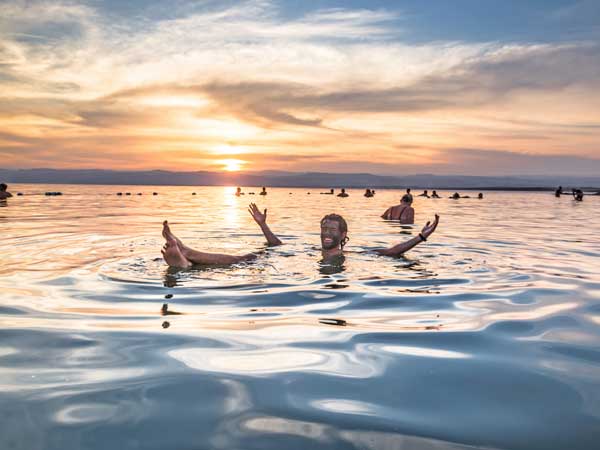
<point>388,87</point>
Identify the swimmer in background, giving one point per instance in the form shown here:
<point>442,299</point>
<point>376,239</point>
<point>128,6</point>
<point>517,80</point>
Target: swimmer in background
<point>343,193</point>
<point>368,193</point>
<point>578,195</point>
<point>238,191</point>
<point>403,212</point>
<point>409,194</point>
<point>334,236</point>
<point>455,196</point>
<point>264,191</point>
<point>4,194</point>
<point>480,195</point>
<point>424,194</point>
<point>558,191</point>
<point>434,194</point>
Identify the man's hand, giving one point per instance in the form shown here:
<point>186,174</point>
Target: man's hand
<point>429,227</point>
<point>259,218</point>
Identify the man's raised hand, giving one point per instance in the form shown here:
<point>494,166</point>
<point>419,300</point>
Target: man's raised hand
<point>259,218</point>
<point>429,227</point>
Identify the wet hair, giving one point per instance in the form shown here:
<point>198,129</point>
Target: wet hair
<point>406,198</point>
<point>341,223</point>
<point>3,186</point>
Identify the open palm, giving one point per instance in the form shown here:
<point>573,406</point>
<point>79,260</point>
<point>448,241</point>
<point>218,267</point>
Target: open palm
<point>429,227</point>
<point>259,218</point>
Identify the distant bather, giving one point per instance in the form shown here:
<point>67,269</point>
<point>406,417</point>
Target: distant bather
<point>403,212</point>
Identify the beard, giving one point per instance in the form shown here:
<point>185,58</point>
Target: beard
<point>333,243</point>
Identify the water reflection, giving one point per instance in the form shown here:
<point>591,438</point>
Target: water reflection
<point>292,351</point>
<point>332,265</point>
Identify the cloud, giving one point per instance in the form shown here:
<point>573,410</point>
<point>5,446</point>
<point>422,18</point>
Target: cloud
<point>334,84</point>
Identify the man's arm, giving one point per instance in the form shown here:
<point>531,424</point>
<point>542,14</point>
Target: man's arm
<point>399,249</point>
<point>261,220</point>
<point>387,213</point>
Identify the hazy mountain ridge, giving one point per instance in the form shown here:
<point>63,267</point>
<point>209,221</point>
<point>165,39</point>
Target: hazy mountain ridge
<point>289,179</point>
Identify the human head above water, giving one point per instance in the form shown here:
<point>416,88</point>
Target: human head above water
<point>406,198</point>
<point>3,187</point>
<point>334,230</point>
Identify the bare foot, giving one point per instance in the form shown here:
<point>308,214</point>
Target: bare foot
<point>173,256</point>
<point>168,234</point>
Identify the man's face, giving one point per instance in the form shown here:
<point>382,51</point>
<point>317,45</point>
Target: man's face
<point>331,236</point>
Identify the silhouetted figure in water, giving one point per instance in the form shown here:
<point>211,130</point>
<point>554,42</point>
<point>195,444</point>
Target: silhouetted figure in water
<point>480,195</point>
<point>424,194</point>
<point>578,195</point>
<point>368,193</point>
<point>238,192</point>
<point>334,236</point>
<point>558,191</point>
<point>434,194</point>
<point>455,196</point>
<point>264,191</point>
<point>409,194</point>
<point>343,193</point>
<point>331,192</point>
<point>4,194</point>
<point>403,212</point>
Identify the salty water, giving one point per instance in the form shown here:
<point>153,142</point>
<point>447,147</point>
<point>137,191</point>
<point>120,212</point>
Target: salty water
<point>487,335</point>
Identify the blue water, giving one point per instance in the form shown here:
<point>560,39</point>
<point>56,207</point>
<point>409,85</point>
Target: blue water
<point>485,336</point>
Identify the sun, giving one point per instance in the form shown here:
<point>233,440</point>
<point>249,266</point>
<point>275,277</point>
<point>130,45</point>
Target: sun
<point>232,165</point>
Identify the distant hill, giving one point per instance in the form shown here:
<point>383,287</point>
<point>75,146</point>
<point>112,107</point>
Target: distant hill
<point>291,179</point>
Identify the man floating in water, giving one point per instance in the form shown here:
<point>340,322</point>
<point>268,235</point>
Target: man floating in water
<point>334,236</point>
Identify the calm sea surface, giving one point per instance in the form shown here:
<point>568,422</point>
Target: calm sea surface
<point>487,335</point>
